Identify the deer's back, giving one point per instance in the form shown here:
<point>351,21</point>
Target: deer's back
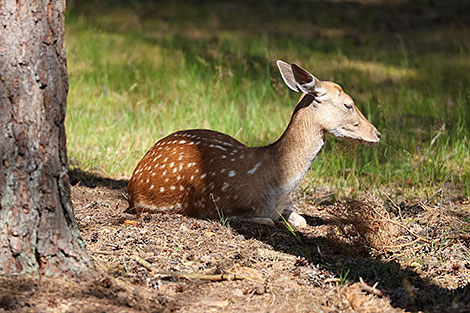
<point>192,172</point>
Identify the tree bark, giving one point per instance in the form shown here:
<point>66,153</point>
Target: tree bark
<point>38,230</point>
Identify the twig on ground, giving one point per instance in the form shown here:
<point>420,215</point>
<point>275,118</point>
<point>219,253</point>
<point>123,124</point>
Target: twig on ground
<point>420,238</point>
<point>396,206</point>
<point>401,245</point>
<point>370,289</point>
<point>103,252</point>
<point>157,271</point>
<point>408,230</point>
<point>331,280</point>
<point>431,197</point>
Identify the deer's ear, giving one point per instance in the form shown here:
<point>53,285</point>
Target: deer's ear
<point>287,75</point>
<point>305,81</point>
<point>298,79</point>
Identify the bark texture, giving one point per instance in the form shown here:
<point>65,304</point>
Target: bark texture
<point>38,231</point>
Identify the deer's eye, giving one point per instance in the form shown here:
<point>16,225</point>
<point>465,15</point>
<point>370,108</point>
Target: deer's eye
<point>348,106</point>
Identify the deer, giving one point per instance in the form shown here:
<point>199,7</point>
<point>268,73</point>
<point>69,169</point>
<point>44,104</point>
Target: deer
<point>207,174</point>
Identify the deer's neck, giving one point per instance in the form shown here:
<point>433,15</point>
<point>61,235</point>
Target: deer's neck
<point>298,146</point>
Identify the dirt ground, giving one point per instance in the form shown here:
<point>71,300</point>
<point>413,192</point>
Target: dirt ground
<point>372,255</point>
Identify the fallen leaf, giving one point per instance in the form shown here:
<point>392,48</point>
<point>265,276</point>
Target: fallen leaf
<point>217,303</point>
<point>209,234</point>
<point>131,223</point>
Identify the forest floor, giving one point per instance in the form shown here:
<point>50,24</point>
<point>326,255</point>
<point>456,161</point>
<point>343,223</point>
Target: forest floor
<point>354,256</point>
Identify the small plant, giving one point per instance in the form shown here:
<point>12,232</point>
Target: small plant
<point>223,220</point>
<point>290,229</point>
<point>343,277</point>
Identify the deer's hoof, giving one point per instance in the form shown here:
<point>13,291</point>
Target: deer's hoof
<point>296,220</point>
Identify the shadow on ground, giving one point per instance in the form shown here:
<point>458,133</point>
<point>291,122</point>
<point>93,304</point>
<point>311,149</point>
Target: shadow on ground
<point>87,179</point>
<point>404,286</point>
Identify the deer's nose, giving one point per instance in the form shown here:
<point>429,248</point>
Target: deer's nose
<point>378,135</point>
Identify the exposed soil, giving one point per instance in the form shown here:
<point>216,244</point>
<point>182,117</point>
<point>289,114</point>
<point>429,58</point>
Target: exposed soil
<point>354,256</point>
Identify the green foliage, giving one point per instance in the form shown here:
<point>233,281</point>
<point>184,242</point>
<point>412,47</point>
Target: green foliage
<point>343,277</point>
<point>140,70</point>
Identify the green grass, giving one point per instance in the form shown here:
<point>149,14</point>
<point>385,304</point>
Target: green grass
<point>140,70</point>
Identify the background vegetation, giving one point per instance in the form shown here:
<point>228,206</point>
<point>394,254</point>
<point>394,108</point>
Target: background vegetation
<point>140,70</point>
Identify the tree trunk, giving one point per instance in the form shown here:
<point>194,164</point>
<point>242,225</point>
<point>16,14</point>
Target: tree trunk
<point>38,231</point>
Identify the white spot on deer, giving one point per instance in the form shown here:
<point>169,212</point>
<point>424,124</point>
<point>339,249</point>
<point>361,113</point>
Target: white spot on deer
<point>203,176</point>
<point>180,157</point>
<point>217,198</point>
<point>232,160</point>
<point>228,144</point>
<point>163,166</point>
<point>231,173</point>
<point>172,187</point>
<point>178,206</point>
<point>162,189</point>
<point>191,178</point>
<point>166,159</point>
<point>191,143</point>
<point>181,166</point>
<point>181,188</point>
<point>196,171</point>
<point>241,156</point>
<point>147,180</point>
<point>253,170</point>
<point>174,170</point>
<point>172,164</point>
<point>223,156</point>
<point>153,174</point>
<point>217,146</point>
<point>212,173</point>
<point>225,186</point>
<point>166,180</point>
<point>182,141</point>
<point>151,187</point>
<point>160,148</point>
<point>164,173</point>
<point>178,177</point>
<point>222,170</point>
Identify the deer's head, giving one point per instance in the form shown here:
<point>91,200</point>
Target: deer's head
<point>332,108</point>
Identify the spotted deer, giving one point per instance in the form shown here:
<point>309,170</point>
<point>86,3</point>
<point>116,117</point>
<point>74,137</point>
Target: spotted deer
<point>206,174</point>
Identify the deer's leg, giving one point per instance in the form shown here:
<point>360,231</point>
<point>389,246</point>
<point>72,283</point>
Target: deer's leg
<point>256,220</point>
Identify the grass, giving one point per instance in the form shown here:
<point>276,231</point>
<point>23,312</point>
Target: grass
<point>222,219</point>
<point>140,70</point>
<point>290,229</point>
